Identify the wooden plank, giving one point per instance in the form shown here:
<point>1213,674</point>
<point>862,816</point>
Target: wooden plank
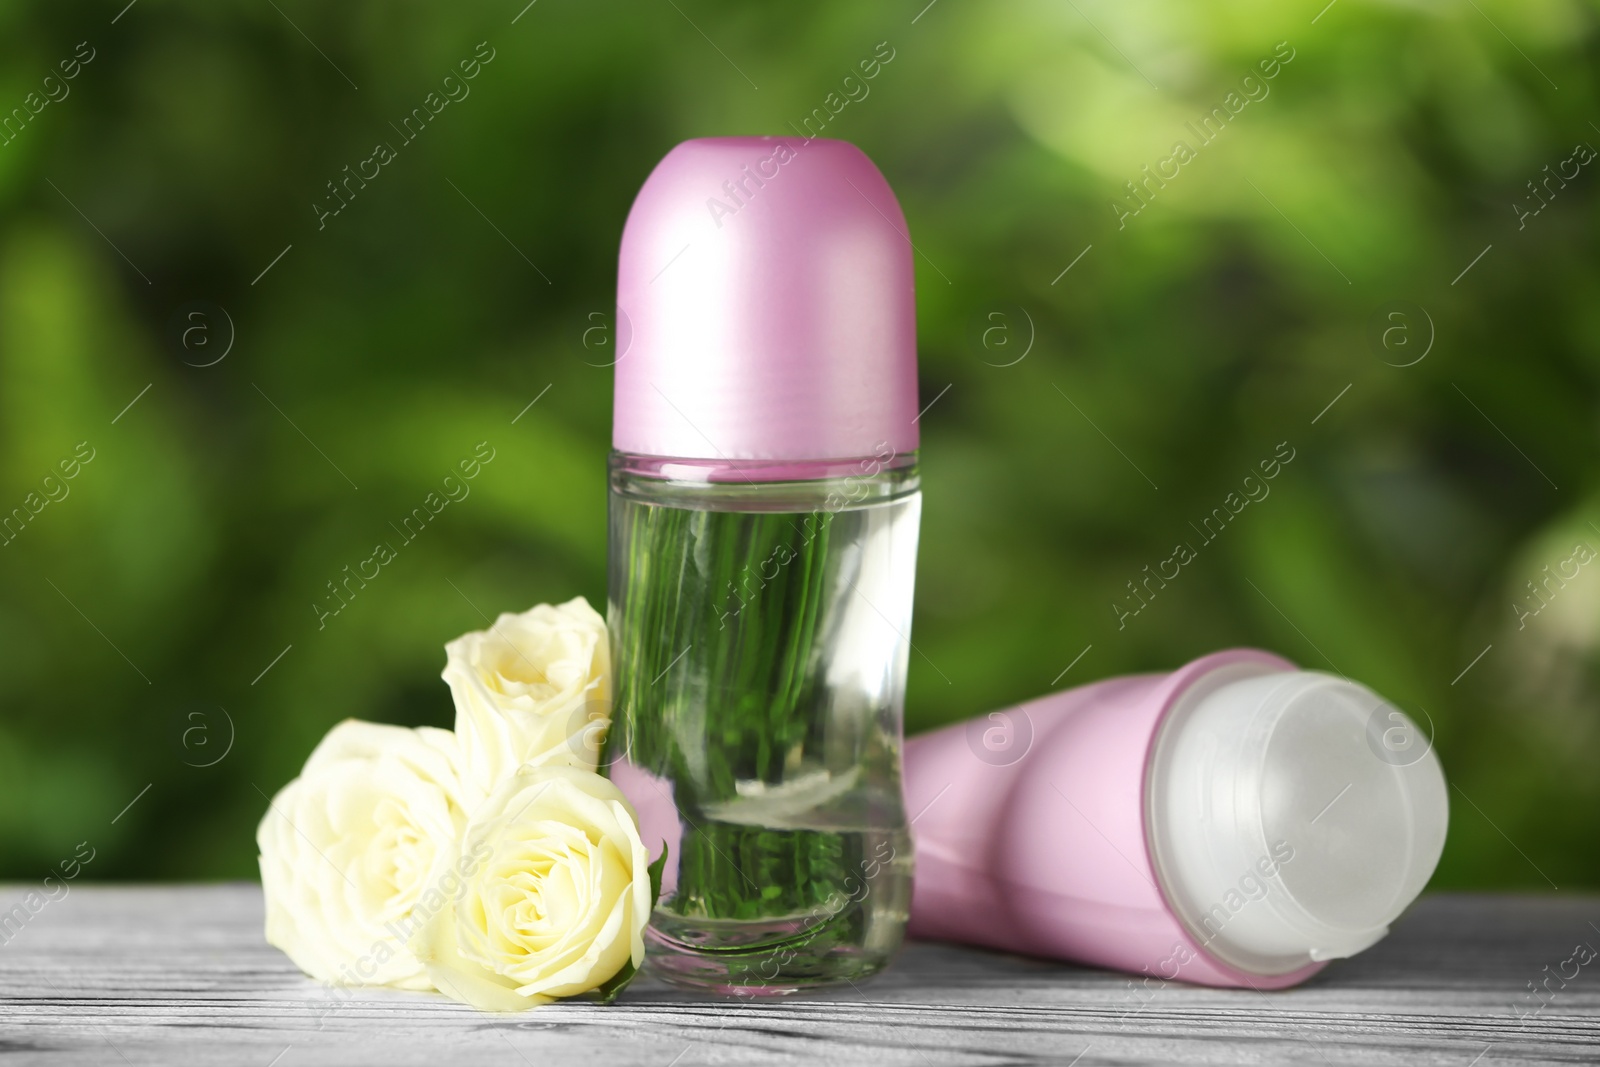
<point>180,974</point>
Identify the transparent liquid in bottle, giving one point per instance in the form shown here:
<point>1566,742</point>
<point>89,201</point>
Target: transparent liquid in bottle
<point>760,632</point>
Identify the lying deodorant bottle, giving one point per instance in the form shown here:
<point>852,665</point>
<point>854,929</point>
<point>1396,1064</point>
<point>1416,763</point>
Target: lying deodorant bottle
<point>763,536</point>
<point>1237,822</point>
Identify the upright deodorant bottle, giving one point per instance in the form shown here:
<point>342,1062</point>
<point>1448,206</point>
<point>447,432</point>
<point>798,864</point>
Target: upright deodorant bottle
<point>1237,822</point>
<point>763,535</point>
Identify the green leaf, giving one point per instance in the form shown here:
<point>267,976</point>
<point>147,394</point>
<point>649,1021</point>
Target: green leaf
<point>614,986</point>
<point>655,874</point>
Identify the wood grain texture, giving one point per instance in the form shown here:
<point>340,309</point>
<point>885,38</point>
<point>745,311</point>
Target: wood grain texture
<point>181,974</point>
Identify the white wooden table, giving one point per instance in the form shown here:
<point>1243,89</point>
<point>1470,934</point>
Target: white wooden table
<point>180,974</point>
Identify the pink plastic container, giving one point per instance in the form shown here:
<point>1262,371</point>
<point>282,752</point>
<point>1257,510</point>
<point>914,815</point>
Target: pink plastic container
<point>1236,822</point>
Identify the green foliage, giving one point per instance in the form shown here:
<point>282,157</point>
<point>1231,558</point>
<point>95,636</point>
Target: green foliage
<point>1185,344</point>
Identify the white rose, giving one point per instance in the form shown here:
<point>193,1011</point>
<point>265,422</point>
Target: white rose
<point>556,900</point>
<point>531,688</point>
<point>371,826</point>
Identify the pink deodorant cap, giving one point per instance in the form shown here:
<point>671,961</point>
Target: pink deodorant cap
<point>765,306</point>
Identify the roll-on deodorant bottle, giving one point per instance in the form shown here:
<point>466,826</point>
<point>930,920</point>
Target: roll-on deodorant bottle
<point>763,536</point>
<point>1237,822</point>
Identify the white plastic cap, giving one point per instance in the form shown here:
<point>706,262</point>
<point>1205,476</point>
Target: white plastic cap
<point>1292,815</point>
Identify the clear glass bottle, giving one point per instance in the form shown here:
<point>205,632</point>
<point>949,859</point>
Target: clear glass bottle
<point>760,632</point>
<point>764,511</point>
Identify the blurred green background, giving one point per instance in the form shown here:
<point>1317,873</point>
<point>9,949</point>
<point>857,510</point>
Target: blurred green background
<point>1081,419</point>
